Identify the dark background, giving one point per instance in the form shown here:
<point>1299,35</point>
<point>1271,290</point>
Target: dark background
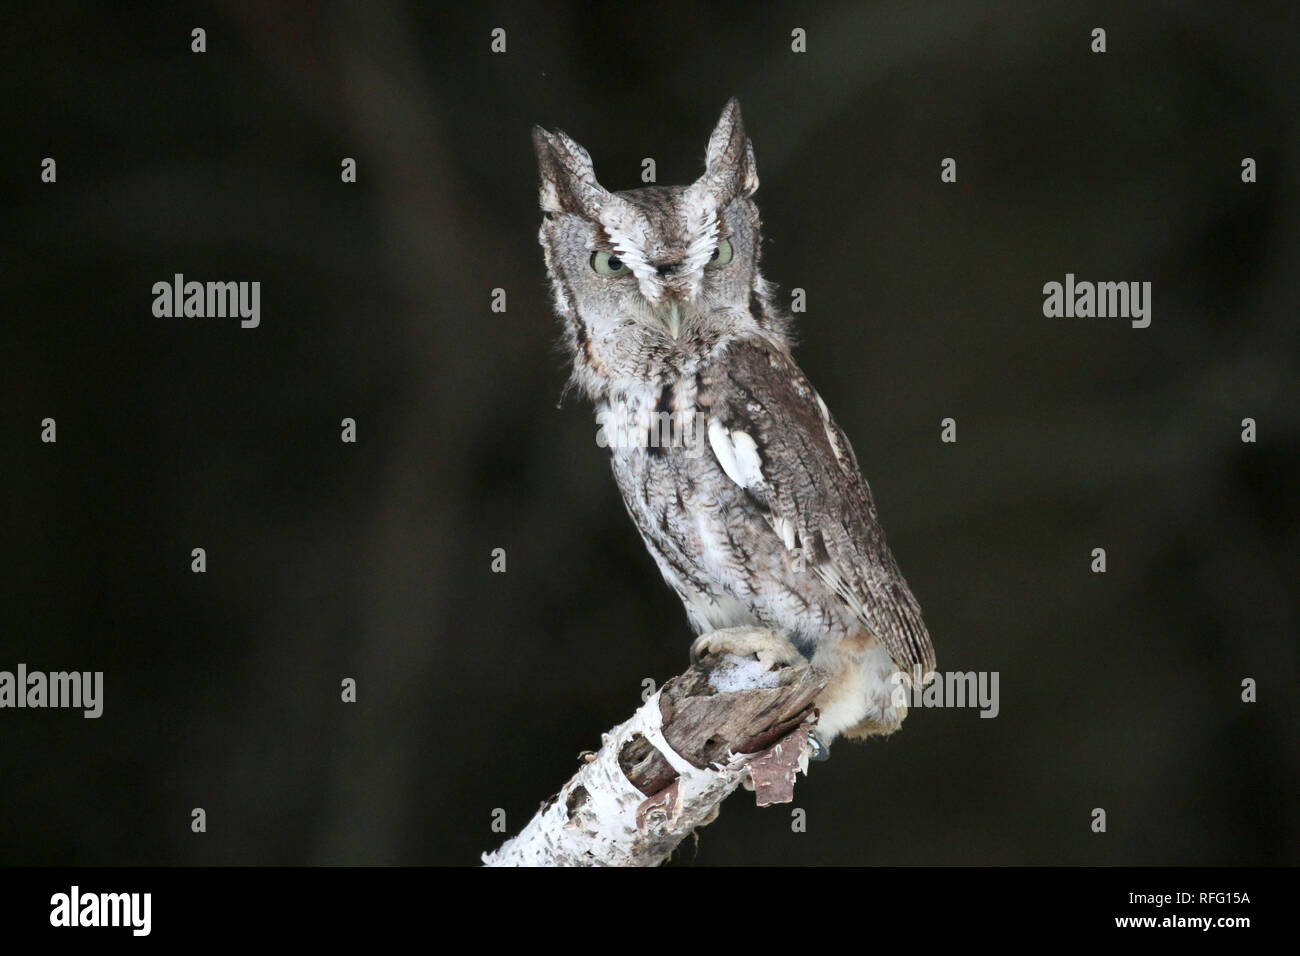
<point>478,690</point>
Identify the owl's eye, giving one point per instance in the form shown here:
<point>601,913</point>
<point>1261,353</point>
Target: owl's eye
<point>608,265</point>
<point>722,254</point>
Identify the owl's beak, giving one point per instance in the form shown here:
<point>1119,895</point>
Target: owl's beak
<point>671,317</point>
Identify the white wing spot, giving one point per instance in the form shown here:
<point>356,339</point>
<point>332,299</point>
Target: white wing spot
<point>748,461</point>
<point>786,529</point>
<point>830,435</point>
<point>720,442</point>
<point>737,453</point>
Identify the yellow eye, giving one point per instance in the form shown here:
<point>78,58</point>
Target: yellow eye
<point>608,265</point>
<point>722,254</point>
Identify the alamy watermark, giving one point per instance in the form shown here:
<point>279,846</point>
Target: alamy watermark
<point>948,689</point>
<point>75,908</point>
<point>620,428</point>
<point>83,690</point>
<point>1102,300</point>
<point>208,300</point>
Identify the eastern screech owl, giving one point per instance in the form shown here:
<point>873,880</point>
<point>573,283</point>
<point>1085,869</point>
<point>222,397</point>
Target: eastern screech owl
<point>745,490</point>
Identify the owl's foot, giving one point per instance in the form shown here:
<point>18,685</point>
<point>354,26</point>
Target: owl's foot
<point>820,751</point>
<point>772,649</point>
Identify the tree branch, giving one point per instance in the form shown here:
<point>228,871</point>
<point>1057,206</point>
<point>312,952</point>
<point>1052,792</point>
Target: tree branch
<point>665,772</point>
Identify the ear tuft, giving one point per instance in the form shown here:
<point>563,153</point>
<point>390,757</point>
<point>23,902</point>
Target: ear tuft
<point>729,167</point>
<point>568,178</point>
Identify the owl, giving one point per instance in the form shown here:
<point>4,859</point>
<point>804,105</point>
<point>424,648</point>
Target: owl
<point>745,490</point>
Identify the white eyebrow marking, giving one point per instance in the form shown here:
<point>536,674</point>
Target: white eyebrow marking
<point>630,234</point>
<point>700,213</point>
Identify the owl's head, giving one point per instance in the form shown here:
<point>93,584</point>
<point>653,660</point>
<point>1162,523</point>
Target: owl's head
<point>650,280</point>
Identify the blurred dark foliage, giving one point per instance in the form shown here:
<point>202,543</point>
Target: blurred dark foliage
<point>478,690</point>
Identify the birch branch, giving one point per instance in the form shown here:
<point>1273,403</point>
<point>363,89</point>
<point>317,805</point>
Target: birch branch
<point>665,772</point>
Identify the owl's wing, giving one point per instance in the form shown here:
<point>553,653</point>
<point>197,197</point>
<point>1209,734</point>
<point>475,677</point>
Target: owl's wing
<point>772,435</point>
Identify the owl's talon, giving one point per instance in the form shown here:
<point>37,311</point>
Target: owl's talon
<point>697,648</point>
<point>820,751</point>
<point>771,648</point>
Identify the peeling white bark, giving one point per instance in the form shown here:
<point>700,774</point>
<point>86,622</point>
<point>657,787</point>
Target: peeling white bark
<point>599,818</point>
